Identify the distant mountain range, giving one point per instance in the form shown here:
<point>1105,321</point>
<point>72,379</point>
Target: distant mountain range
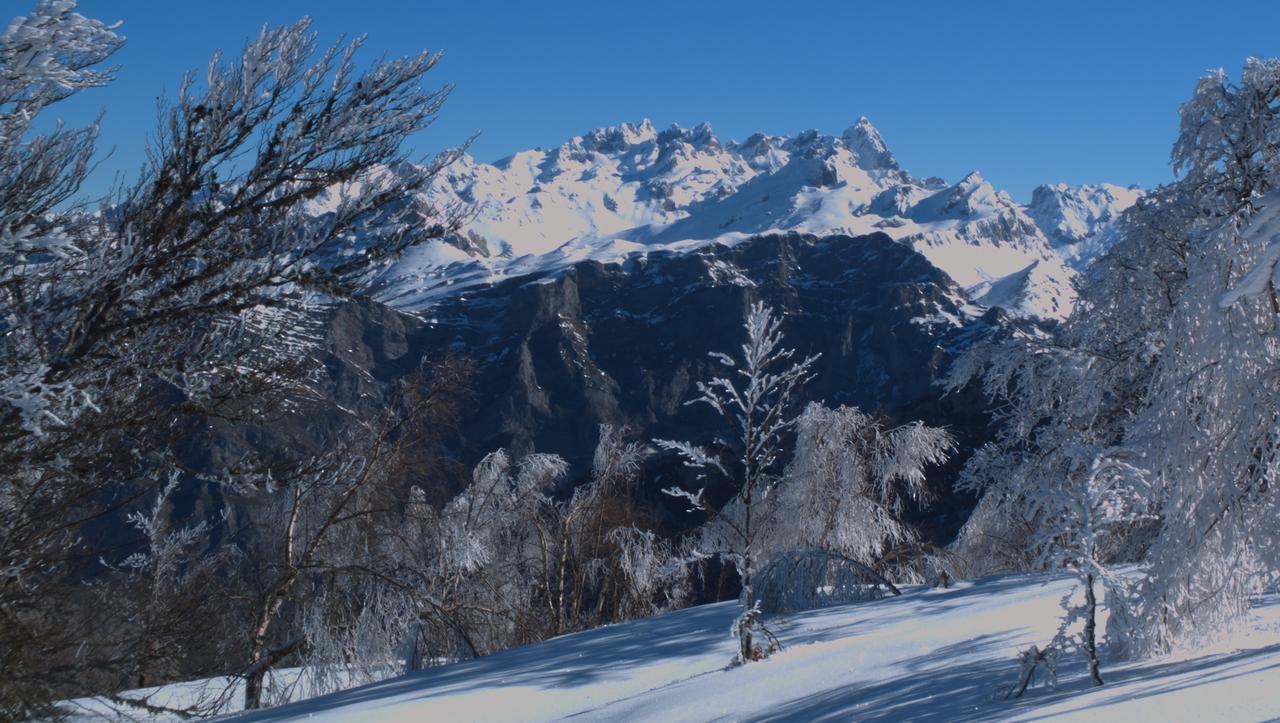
<point>593,280</point>
<point>629,190</point>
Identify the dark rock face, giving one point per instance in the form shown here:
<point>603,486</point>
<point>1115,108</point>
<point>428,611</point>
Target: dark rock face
<point>625,343</point>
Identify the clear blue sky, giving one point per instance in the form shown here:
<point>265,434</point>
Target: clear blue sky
<point>1027,92</point>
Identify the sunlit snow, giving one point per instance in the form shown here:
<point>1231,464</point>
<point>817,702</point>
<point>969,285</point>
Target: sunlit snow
<point>930,655</point>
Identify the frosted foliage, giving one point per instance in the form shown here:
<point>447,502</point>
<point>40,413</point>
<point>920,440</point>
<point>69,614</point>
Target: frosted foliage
<point>501,496</point>
<point>836,511</point>
<point>1230,133</point>
<point>848,482</point>
<point>996,537</point>
<point>1211,435</point>
<point>512,560</point>
<point>220,224</point>
<point>1101,496</point>
<point>360,640</point>
<point>655,568</point>
<point>616,461</point>
<point>170,554</point>
<point>1209,430</point>
<point>1081,520</point>
<point>1068,395</point>
<point>754,402</point>
<point>46,57</point>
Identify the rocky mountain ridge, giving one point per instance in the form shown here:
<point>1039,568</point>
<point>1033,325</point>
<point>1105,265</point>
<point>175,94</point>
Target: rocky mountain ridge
<point>629,190</point>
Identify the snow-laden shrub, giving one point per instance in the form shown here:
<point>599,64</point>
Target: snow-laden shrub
<point>809,579</point>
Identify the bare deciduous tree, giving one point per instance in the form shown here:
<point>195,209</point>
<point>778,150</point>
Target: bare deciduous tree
<point>276,183</point>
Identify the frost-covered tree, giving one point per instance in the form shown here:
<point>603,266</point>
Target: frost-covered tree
<point>1210,434</point>
<point>756,401</point>
<point>580,529</point>
<point>1209,431</point>
<point>554,563</point>
<point>836,511</point>
<point>1073,388</point>
<point>1103,496</point>
<point>1051,397</point>
<point>1171,357</point>
<point>275,184</point>
<point>489,565</point>
<point>655,571</point>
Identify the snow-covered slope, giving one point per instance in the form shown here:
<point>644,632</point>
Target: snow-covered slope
<point>629,189</point>
<point>1075,218</point>
<point>935,655</point>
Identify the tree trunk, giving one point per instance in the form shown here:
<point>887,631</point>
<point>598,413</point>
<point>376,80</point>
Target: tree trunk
<point>745,652</point>
<point>253,689</point>
<point>263,661</point>
<point>1090,629</point>
<point>257,670</point>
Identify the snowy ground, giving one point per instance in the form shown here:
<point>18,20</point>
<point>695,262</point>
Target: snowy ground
<point>930,655</point>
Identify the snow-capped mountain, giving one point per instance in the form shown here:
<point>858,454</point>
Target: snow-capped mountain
<point>631,189</point>
<point>1075,218</point>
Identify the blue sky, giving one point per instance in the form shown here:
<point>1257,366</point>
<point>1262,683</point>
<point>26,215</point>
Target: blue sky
<point>1027,92</point>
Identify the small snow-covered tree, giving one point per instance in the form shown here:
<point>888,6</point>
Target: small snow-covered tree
<point>837,509</point>
<point>756,401</point>
<point>494,552</point>
<point>1103,496</point>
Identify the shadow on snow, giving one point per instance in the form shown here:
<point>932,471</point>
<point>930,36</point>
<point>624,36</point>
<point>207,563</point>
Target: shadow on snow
<point>568,661</point>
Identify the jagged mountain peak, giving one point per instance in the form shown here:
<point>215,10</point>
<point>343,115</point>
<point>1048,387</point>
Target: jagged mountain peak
<point>862,141</point>
<point>865,142</point>
<point>699,135</point>
<point>612,139</point>
<point>1075,219</point>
